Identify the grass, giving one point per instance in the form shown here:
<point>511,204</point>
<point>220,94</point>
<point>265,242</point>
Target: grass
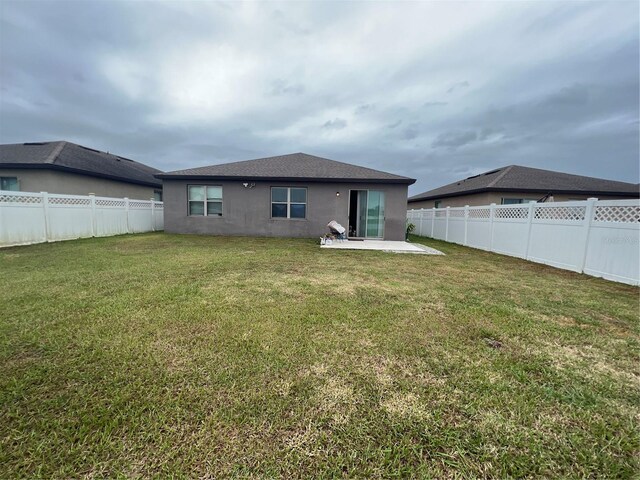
<point>164,355</point>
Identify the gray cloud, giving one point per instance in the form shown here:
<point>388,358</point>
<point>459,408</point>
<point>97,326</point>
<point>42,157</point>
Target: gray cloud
<point>434,104</point>
<point>361,109</point>
<point>454,139</point>
<point>574,95</point>
<point>458,86</point>
<point>280,87</point>
<point>411,132</point>
<point>555,85</point>
<point>336,124</point>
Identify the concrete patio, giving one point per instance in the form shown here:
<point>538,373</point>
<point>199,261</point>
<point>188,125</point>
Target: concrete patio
<point>384,246</point>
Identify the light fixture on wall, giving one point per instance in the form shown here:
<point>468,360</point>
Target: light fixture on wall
<point>248,185</point>
<point>337,194</point>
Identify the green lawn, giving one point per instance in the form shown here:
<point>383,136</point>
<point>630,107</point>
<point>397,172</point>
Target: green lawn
<point>167,355</point>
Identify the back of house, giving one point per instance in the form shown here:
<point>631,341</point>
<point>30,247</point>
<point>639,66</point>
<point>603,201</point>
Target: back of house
<point>293,195</point>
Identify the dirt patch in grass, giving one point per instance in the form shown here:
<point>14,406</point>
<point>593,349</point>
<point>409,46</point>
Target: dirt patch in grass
<point>592,361</point>
<point>406,405</point>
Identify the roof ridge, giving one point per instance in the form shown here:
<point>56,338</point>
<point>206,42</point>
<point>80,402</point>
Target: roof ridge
<point>289,155</point>
<point>573,174</point>
<point>499,177</point>
<point>55,152</point>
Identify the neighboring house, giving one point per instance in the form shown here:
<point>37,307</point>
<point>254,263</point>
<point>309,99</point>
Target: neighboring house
<point>285,196</point>
<point>516,184</point>
<point>64,167</point>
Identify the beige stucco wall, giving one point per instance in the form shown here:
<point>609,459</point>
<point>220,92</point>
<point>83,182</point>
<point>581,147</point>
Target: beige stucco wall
<point>496,197</point>
<point>52,181</point>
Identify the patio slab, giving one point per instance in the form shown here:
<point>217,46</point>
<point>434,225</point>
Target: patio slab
<point>384,246</point>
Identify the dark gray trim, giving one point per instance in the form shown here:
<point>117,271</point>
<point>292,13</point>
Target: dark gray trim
<point>166,176</point>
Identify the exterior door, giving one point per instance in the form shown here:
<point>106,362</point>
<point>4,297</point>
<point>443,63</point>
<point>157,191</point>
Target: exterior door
<point>375,214</point>
<point>367,213</point>
<point>361,230</point>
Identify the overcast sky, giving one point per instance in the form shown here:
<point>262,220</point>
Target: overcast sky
<point>436,91</point>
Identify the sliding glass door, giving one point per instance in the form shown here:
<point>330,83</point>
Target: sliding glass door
<point>375,214</point>
<point>366,214</point>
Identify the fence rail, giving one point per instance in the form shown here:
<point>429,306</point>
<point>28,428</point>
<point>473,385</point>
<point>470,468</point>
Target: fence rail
<point>27,218</point>
<point>597,237</point>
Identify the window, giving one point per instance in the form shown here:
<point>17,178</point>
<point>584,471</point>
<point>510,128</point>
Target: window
<point>9,183</point>
<point>288,202</point>
<point>514,201</point>
<point>438,203</point>
<point>157,195</point>
<point>205,200</point>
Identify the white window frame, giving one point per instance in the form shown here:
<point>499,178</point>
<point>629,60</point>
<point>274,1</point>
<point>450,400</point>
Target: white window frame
<point>205,201</point>
<point>288,203</point>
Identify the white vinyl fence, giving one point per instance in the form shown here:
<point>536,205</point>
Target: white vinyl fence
<point>27,217</point>
<point>596,237</point>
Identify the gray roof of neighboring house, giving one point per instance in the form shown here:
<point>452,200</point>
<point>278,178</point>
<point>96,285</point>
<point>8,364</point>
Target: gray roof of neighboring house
<point>526,179</point>
<point>293,167</point>
<point>67,156</point>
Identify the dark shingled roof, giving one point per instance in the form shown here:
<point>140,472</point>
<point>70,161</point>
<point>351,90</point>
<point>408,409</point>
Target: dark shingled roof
<point>526,179</point>
<point>293,167</point>
<point>70,157</point>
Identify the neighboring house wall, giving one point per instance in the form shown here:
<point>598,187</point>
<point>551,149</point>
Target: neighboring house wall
<point>487,198</point>
<point>475,199</point>
<point>247,211</point>
<point>53,181</point>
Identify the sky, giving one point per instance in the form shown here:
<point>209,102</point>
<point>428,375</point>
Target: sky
<point>436,91</point>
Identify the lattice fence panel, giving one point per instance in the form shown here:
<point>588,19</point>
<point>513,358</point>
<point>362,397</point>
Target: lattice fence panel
<point>479,213</point>
<point>18,198</point>
<point>441,213</point>
<point>619,214</point>
<point>456,213</point>
<point>139,204</point>
<point>575,213</point>
<point>109,203</point>
<point>69,201</point>
<point>512,213</point>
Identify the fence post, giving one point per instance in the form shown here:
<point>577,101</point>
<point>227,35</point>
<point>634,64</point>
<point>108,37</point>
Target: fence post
<point>126,210</point>
<point>2,238</point>
<point>466,221</point>
<point>92,199</point>
<point>532,205</point>
<point>492,210</point>
<point>421,222</point>
<point>433,220</point>
<point>588,217</point>
<point>153,215</point>
<point>446,226</point>
<point>45,211</point>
